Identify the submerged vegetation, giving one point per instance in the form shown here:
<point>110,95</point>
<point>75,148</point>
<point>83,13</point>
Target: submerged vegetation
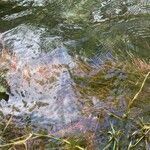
<point>123,86</point>
<point>128,126</point>
<point>74,75</point>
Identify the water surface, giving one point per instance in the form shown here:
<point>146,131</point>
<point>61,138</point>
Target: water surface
<point>69,64</point>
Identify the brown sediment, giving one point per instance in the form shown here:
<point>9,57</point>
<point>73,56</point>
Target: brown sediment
<point>85,128</point>
<point>141,65</point>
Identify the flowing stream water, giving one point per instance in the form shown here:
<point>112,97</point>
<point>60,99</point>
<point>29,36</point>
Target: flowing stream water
<point>66,65</point>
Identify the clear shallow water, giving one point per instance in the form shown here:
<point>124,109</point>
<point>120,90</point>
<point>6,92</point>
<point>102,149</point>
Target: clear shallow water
<point>64,61</point>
